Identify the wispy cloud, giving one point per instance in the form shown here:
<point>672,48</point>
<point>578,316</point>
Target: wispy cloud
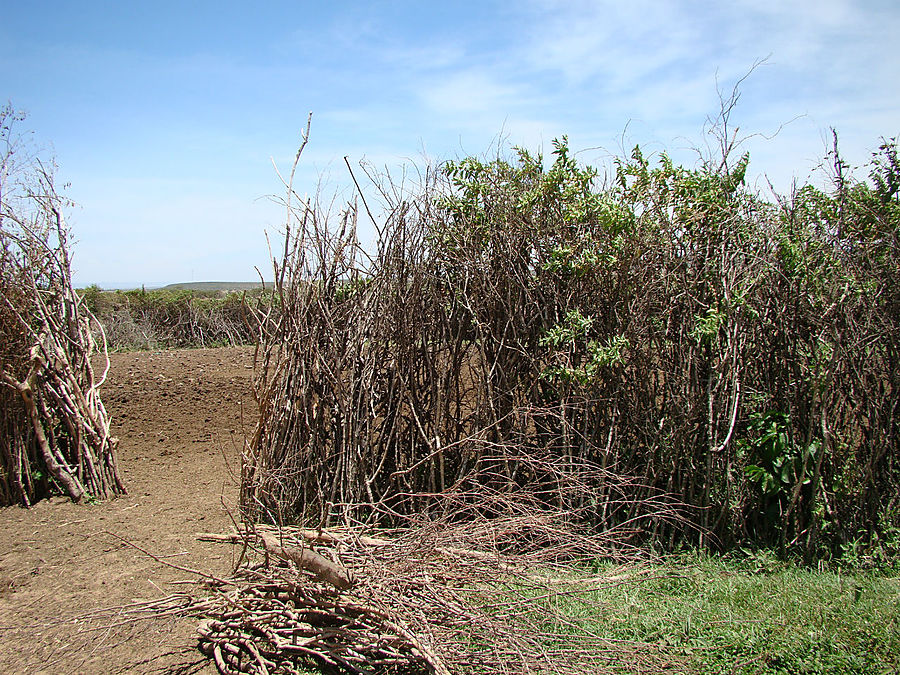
<point>134,102</point>
<point>474,91</point>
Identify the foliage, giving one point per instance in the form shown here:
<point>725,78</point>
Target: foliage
<point>777,466</point>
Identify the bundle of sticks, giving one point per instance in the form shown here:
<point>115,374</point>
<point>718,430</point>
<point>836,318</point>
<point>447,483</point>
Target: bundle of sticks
<point>423,600</point>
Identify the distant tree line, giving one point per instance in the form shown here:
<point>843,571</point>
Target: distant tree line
<point>165,318</point>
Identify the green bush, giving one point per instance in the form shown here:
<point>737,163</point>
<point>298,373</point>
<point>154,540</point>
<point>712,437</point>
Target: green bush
<point>742,353</point>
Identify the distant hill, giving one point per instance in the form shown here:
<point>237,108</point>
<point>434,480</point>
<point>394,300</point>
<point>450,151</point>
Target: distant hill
<point>214,286</point>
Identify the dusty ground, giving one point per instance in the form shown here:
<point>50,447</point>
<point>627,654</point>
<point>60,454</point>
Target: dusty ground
<point>179,418</point>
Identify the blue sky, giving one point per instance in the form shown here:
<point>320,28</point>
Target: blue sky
<point>165,117</point>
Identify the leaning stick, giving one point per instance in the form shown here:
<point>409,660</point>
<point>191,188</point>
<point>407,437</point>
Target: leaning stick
<point>26,391</point>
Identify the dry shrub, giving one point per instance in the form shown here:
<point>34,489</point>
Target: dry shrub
<point>384,380</point>
<point>668,331</point>
<point>535,369</point>
<point>169,319</point>
<point>55,430</point>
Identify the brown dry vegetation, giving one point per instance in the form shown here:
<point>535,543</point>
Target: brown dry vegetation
<point>179,418</point>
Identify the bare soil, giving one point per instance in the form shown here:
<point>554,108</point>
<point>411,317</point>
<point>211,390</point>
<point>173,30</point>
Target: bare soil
<point>181,417</point>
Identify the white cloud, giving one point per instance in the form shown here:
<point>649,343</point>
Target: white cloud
<point>470,92</point>
<point>610,44</point>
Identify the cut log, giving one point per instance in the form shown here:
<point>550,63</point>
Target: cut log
<point>308,560</point>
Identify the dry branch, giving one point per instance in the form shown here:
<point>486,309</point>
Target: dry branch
<point>26,391</point>
<point>309,560</point>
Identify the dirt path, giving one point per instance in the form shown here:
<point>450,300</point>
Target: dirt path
<point>179,418</point>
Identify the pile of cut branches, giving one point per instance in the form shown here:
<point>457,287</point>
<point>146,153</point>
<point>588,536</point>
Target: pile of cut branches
<point>431,599</point>
<point>485,575</point>
<point>54,430</point>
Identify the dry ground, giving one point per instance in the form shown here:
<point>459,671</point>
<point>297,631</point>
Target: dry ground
<point>181,418</point>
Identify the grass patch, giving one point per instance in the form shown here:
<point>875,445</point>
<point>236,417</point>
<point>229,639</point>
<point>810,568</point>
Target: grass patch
<point>751,616</point>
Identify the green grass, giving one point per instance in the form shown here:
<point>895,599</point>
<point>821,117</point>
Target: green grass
<point>753,616</point>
